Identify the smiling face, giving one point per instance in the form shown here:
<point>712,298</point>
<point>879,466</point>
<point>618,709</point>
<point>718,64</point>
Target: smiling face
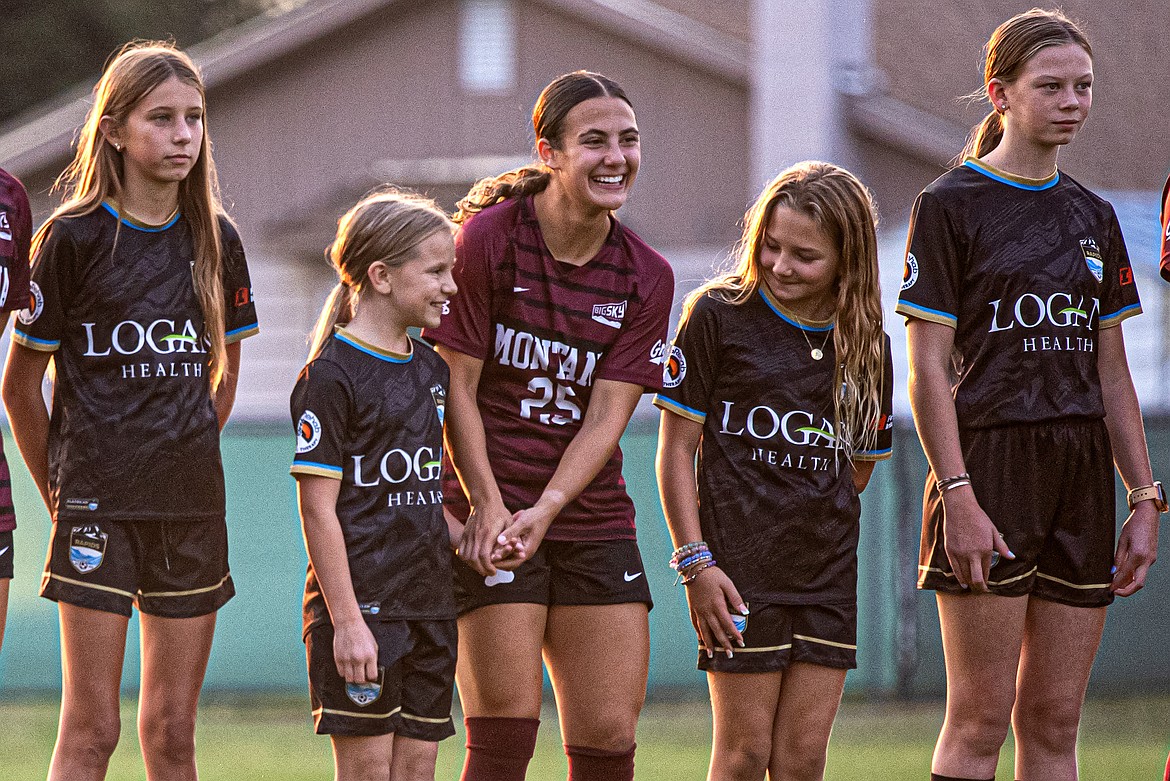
<point>1049,102</point>
<point>162,136</point>
<point>421,286</point>
<point>798,263</point>
<point>597,158</point>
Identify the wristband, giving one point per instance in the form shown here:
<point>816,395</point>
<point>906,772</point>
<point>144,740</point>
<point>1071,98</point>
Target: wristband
<point>1153,491</point>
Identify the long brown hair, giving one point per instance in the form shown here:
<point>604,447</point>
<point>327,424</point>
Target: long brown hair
<point>388,226</point>
<point>548,120</point>
<point>96,173</point>
<point>843,208</point>
<point>1005,54</point>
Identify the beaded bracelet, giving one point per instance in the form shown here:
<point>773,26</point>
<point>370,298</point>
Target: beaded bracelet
<point>703,555</point>
<point>686,552</point>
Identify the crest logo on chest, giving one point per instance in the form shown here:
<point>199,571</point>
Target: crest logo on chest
<point>1093,260</point>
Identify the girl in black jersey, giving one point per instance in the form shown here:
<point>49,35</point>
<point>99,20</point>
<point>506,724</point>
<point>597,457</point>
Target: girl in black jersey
<point>139,296</point>
<point>368,408</point>
<point>1016,281</point>
<point>553,339</point>
<point>780,379</point>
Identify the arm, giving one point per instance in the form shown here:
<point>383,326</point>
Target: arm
<point>225,394</point>
<point>354,648</point>
<point>467,444</point>
<point>1137,548</point>
<point>711,596</point>
<point>969,534</point>
<point>862,471</point>
<point>610,407</point>
<point>23,374</point>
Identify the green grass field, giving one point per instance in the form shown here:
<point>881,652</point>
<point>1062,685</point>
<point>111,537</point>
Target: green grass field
<point>266,737</point>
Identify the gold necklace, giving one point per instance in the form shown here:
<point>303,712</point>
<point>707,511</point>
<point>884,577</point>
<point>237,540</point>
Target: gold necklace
<point>817,353</point>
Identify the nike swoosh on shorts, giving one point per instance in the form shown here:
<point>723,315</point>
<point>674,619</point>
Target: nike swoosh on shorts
<point>628,577</point>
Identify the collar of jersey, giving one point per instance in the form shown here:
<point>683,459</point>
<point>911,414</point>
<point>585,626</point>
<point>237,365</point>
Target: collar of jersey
<point>369,349</point>
<point>1022,182</point>
<point>139,225</point>
<point>790,318</point>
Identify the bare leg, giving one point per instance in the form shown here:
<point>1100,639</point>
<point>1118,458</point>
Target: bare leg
<point>364,758</point>
<point>809,697</point>
<point>598,658</point>
<point>982,635</point>
<point>414,760</point>
<point>93,644</point>
<point>174,660</point>
<point>1060,643</point>
<point>743,711</point>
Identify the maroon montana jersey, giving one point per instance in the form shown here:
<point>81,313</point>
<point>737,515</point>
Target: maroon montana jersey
<point>15,237</point>
<point>546,331</point>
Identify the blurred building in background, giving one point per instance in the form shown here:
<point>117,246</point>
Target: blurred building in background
<point>312,107</point>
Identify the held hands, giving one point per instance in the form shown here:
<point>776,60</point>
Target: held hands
<point>355,652</point>
<point>712,597</point>
<point>523,536</point>
<point>970,539</point>
<point>1137,549</point>
<point>481,536</point>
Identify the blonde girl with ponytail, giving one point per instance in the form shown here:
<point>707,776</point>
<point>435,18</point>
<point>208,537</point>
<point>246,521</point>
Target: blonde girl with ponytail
<point>139,297</point>
<point>368,409</point>
<point>1024,418</point>
<point>779,380</point>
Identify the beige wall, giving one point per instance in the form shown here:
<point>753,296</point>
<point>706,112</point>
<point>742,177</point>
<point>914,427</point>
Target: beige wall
<point>932,54</point>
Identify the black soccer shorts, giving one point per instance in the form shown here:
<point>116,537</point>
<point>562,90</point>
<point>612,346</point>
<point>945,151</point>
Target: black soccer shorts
<point>775,636</point>
<point>1049,490</point>
<point>592,572</point>
<point>169,569</point>
<point>412,696</point>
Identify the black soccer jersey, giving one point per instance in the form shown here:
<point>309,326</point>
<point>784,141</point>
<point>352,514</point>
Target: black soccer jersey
<point>374,420</point>
<point>133,433</point>
<point>1027,272</point>
<point>777,504</point>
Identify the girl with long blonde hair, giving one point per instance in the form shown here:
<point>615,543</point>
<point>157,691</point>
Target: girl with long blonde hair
<point>779,379</point>
<point>140,296</point>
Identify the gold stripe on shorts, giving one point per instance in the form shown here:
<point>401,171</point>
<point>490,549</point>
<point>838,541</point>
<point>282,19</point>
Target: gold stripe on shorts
<point>825,642</point>
<point>761,649</point>
<point>354,714</point>
<point>187,593</point>
<point>425,719</point>
<point>83,584</point>
<point>1004,582</point>
<point>1073,585</point>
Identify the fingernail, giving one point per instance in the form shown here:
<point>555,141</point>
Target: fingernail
<point>1113,571</point>
<point>741,643</point>
<point>743,611</point>
<point>1011,555</point>
<point>730,653</point>
<point>501,539</point>
<point>710,654</point>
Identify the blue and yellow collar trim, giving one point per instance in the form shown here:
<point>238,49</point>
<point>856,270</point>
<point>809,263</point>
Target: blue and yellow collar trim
<point>1022,182</point>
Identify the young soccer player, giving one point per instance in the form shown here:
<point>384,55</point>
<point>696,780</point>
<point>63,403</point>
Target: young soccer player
<point>140,296</point>
<point>15,237</point>
<point>1016,283</point>
<point>551,344</point>
<point>379,613</point>
<point>780,379</point>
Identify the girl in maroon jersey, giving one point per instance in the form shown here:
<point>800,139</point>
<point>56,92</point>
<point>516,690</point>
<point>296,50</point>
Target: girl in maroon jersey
<point>140,297</point>
<point>15,236</point>
<point>551,343</point>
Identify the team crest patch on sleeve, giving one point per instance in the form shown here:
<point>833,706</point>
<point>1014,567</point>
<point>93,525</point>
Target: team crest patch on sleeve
<point>439,394</point>
<point>36,305</point>
<point>1093,258</point>
<point>308,432</point>
<point>367,693</point>
<point>87,548</point>
<point>675,368</point>
<point>910,272</point>
<point>610,314</point>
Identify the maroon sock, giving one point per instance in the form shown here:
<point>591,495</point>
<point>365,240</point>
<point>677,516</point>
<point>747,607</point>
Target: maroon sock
<point>937,777</point>
<point>498,749</point>
<point>595,764</point>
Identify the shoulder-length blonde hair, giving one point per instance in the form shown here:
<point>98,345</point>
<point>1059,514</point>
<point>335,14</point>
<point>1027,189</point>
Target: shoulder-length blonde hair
<point>96,173</point>
<point>843,207</point>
